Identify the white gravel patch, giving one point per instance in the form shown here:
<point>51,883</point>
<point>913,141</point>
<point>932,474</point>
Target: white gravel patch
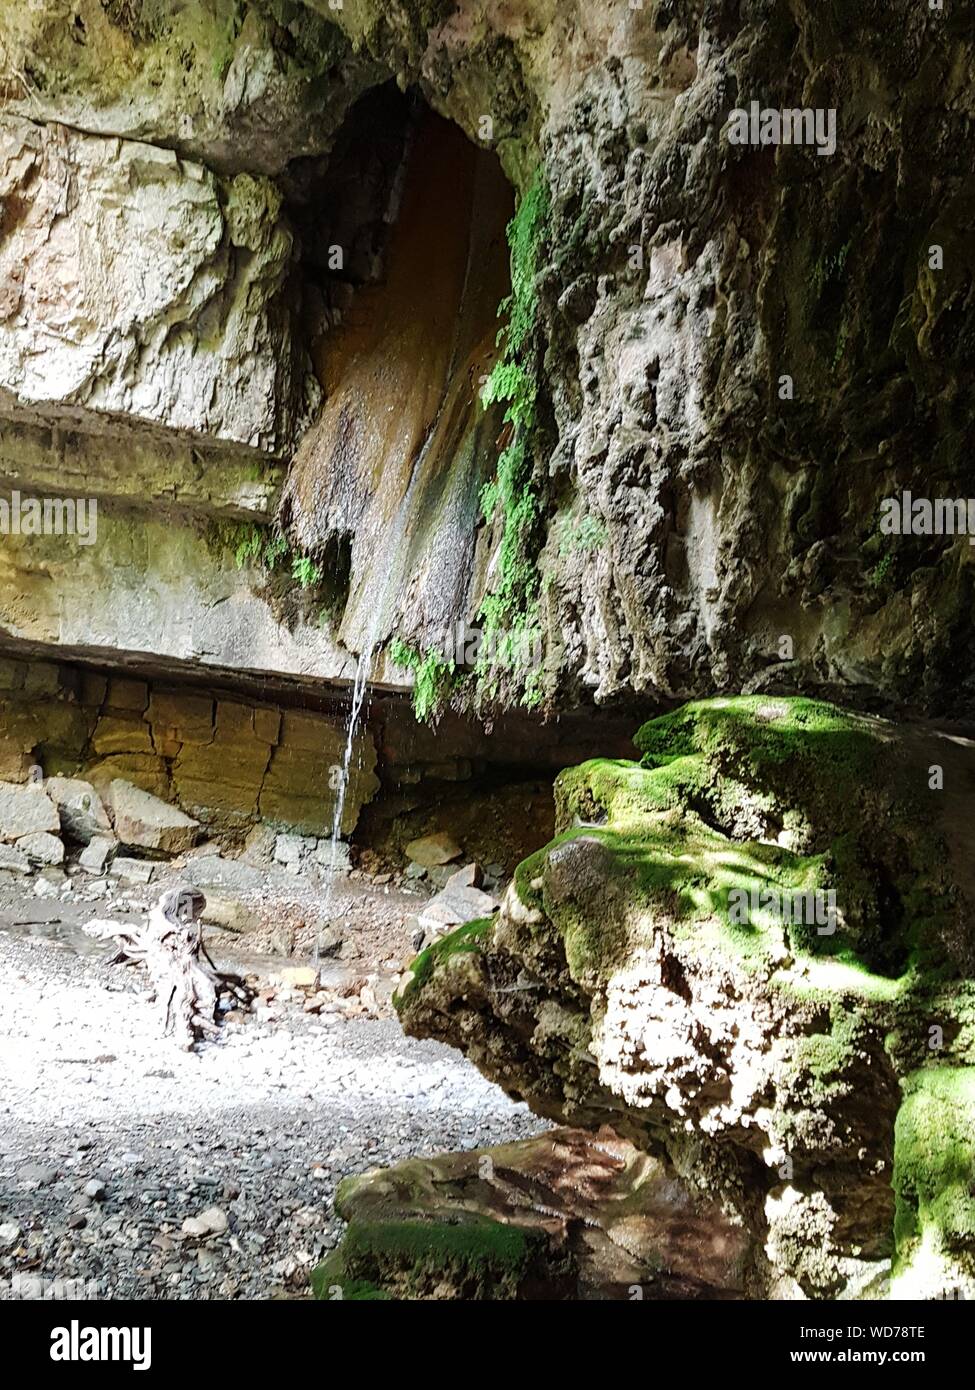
<point>261,1124</point>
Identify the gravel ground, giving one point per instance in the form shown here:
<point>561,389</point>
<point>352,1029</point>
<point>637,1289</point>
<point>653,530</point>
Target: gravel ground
<point>110,1137</point>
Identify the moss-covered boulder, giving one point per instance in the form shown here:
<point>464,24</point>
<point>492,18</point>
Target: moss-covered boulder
<point>750,953</point>
<point>565,1215</point>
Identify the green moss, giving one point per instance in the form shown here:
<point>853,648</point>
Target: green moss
<point>585,535</point>
<point>266,548</point>
<point>479,1257</point>
<point>248,543</point>
<point>434,676</point>
<point>511,603</point>
<point>305,571</point>
<point>934,1162</point>
<point>466,939</point>
<point>331,1281</point>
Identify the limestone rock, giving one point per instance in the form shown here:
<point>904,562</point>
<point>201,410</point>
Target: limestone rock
<point>142,821</point>
<point>431,850</point>
<point>470,876</point>
<point>456,904</point>
<point>25,811</point>
<point>14,860</point>
<point>80,809</point>
<point>735,948</point>
<point>152,241</point>
<point>136,871</point>
<point>335,856</point>
<point>232,889</point>
<point>42,848</point>
<point>97,853</point>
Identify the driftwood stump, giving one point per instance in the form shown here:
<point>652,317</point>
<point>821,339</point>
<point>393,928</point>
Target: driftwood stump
<point>187,986</point>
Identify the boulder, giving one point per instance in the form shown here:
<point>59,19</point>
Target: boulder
<point>470,876</point>
<point>142,821</point>
<point>97,853</point>
<point>456,904</point>
<point>233,890</point>
<point>14,860</point>
<point>337,856</point>
<point>431,850</point>
<point>26,810</point>
<point>136,871</point>
<point>80,809</point>
<point>664,966</point>
<point>292,849</point>
<point>565,1215</point>
<point>42,848</point>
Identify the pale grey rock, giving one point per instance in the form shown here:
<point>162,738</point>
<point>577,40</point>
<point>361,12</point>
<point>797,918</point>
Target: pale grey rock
<point>80,809</point>
<point>470,876</point>
<point>172,313</point>
<point>26,810</point>
<point>97,854</point>
<point>131,870</point>
<point>14,860</point>
<point>455,905</point>
<point>291,849</point>
<point>42,848</point>
<point>338,857</point>
<point>211,871</point>
<point>143,821</point>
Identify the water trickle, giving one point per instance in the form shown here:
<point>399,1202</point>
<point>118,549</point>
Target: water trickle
<point>359,688</point>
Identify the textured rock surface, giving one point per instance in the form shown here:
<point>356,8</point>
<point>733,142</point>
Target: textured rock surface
<point>142,821</point>
<point>684,517</point>
<point>809,1078</point>
<point>136,287</point>
<point>567,1215</point>
<point>26,811</point>
<point>225,762</point>
<point>80,809</point>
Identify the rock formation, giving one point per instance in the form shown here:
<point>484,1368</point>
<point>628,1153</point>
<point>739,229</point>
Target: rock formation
<point>661,967</point>
<point>470,349</point>
<point>730,354</point>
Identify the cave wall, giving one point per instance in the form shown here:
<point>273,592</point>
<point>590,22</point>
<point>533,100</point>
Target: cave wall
<point>694,523</point>
<point>227,760</point>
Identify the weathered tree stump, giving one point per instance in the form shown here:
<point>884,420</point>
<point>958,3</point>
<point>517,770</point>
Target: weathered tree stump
<point>187,986</point>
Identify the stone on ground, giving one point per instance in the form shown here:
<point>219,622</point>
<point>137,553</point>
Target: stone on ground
<point>143,821</point>
<point>80,809</point>
<point>26,810</point>
<point>567,1215</point>
<point>97,853</point>
<point>42,848</point>
<point>431,850</point>
<point>454,906</point>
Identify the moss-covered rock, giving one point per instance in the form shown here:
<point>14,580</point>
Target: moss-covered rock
<point>734,951</point>
<point>565,1215</point>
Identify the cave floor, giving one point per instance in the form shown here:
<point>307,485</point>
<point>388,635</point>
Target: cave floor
<point>262,1124</point>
